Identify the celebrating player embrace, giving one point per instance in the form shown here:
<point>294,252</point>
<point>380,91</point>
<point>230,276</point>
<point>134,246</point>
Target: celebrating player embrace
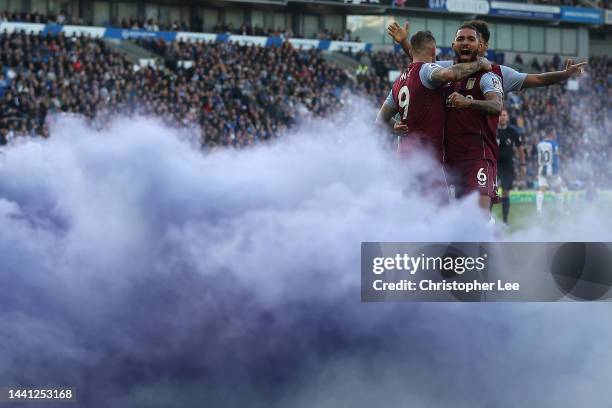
<point>422,122</point>
<point>474,104</point>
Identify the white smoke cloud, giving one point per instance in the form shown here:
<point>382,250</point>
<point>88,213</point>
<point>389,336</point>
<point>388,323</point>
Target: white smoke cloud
<point>130,254</point>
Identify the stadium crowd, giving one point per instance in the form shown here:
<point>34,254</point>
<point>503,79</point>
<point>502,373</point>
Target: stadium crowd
<point>581,117</point>
<point>232,95</point>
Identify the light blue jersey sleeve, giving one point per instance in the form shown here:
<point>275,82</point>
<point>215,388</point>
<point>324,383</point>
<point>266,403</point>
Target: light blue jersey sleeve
<point>426,73</point>
<point>513,80</point>
<point>490,82</point>
<point>389,100</point>
<point>445,64</point>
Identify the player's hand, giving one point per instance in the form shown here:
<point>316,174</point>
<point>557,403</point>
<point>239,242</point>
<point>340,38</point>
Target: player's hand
<point>398,33</point>
<point>400,129</point>
<point>574,69</point>
<point>457,100</point>
<point>485,64</point>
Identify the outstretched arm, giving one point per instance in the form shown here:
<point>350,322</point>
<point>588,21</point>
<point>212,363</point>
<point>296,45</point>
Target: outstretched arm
<point>550,78</point>
<point>400,35</point>
<point>459,71</point>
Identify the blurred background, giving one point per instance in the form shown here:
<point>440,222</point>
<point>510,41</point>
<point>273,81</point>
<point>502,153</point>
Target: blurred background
<point>239,73</point>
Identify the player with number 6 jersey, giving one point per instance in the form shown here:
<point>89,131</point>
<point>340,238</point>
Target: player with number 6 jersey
<point>471,174</point>
<point>417,95</point>
<point>471,125</point>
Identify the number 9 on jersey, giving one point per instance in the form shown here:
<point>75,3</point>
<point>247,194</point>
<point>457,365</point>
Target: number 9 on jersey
<point>403,98</point>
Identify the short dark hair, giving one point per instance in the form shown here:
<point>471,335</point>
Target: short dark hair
<point>421,40</point>
<point>469,27</point>
<point>482,27</point>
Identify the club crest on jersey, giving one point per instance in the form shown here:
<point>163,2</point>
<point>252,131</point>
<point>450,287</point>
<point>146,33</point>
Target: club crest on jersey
<point>470,83</point>
<point>497,84</point>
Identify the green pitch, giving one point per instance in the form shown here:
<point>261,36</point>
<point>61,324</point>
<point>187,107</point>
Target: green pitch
<point>523,212</point>
<point>521,216</point>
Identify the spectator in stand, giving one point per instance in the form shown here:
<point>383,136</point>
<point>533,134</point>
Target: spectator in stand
<point>4,84</point>
<point>347,35</point>
<point>151,25</point>
<point>519,60</point>
<point>556,62</point>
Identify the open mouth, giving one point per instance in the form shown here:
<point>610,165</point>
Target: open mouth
<point>466,52</point>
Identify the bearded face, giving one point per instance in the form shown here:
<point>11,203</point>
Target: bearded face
<point>466,45</point>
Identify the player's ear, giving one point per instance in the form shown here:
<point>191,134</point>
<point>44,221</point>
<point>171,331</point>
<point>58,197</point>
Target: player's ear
<point>410,53</point>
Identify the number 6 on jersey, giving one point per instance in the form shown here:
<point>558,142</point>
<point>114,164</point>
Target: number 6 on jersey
<point>481,177</point>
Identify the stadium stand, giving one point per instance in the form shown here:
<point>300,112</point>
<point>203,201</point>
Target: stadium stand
<point>196,25</point>
<point>237,95</point>
<point>233,95</point>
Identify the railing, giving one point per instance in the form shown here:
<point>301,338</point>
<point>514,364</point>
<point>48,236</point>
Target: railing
<point>169,36</point>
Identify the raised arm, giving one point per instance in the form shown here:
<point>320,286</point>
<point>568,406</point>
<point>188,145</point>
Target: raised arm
<point>400,35</point>
<point>459,71</point>
<point>551,78</point>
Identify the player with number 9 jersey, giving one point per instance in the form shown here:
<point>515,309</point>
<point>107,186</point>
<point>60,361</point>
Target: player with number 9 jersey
<point>418,97</point>
<point>425,116</point>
